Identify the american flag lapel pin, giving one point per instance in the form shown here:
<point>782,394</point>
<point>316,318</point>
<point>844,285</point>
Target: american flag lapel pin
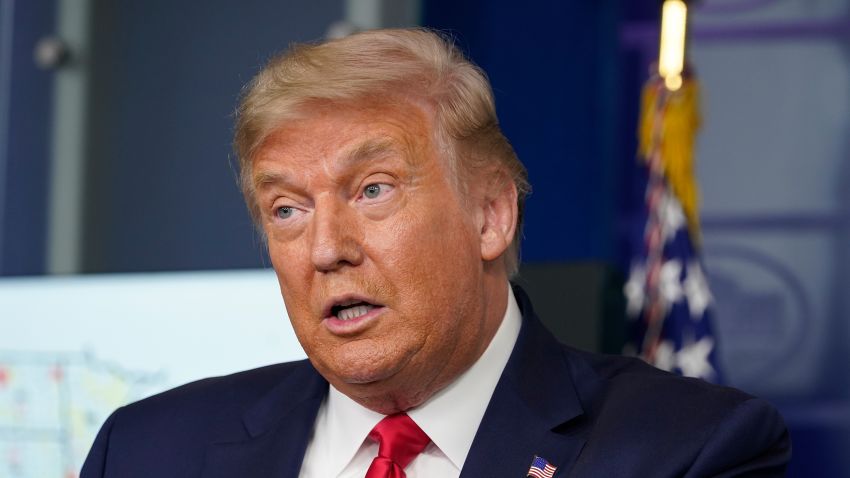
<point>540,468</point>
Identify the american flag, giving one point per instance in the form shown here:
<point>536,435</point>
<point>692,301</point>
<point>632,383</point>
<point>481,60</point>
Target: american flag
<point>541,468</point>
<point>668,298</point>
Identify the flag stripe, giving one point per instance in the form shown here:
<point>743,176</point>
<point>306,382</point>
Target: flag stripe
<point>540,468</point>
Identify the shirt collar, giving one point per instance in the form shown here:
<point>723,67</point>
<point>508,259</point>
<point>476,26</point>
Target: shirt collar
<point>347,423</point>
<point>450,418</point>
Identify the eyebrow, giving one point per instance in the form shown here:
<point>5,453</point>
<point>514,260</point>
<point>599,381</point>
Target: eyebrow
<point>370,149</point>
<point>363,152</point>
<point>267,178</point>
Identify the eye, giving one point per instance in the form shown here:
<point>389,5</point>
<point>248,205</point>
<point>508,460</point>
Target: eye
<point>284,212</point>
<point>372,191</point>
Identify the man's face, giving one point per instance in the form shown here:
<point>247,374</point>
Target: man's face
<point>378,256</point>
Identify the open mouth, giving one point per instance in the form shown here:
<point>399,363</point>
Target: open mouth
<point>351,310</point>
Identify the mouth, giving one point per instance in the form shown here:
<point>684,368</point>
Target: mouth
<point>350,314</point>
<point>351,310</point>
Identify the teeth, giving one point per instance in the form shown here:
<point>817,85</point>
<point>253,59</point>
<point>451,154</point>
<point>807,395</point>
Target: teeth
<point>354,312</point>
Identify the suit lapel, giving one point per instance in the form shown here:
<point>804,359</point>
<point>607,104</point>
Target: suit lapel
<point>535,409</point>
<point>279,426</point>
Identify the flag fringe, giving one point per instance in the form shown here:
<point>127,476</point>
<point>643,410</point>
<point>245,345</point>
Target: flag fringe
<point>668,125</point>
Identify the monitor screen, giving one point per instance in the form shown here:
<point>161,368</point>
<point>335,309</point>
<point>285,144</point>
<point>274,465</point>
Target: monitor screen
<point>73,349</point>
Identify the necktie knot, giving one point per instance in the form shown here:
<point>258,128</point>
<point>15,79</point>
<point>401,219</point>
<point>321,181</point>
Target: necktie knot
<point>400,440</point>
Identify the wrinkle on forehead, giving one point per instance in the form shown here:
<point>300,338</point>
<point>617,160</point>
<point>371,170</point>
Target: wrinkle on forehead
<point>370,149</point>
<point>361,154</point>
<point>392,129</point>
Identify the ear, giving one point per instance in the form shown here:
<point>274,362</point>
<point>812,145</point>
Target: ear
<point>498,218</point>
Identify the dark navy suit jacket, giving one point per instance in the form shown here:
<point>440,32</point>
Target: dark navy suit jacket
<point>589,415</point>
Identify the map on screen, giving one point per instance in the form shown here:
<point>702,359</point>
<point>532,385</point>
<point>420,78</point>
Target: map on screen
<point>74,349</point>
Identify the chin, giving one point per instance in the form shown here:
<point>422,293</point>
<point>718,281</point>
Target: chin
<point>385,400</point>
<point>344,372</point>
<point>382,389</point>
<point>367,362</point>
<point>365,377</point>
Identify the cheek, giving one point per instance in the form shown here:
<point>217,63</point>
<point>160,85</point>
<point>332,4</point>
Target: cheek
<point>289,257</point>
<point>433,254</point>
<point>293,281</point>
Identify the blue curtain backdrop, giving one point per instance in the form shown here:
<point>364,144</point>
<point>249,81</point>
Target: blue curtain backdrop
<point>555,69</point>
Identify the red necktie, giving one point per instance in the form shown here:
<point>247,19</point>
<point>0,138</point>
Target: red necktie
<point>399,441</point>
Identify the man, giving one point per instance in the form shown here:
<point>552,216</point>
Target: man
<point>391,205</point>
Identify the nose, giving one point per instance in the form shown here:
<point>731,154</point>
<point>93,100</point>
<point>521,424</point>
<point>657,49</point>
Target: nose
<point>335,241</point>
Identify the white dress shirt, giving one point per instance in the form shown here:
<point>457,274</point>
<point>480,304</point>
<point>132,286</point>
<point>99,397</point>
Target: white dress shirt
<point>340,448</point>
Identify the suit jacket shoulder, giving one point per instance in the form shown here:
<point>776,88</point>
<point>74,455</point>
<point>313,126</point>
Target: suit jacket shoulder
<point>593,415</point>
<point>653,423</point>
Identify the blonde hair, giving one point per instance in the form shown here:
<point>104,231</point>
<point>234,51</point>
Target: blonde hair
<point>417,64</point>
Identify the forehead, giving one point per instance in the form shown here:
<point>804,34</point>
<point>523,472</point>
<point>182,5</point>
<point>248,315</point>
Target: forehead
<point>333,133</point>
